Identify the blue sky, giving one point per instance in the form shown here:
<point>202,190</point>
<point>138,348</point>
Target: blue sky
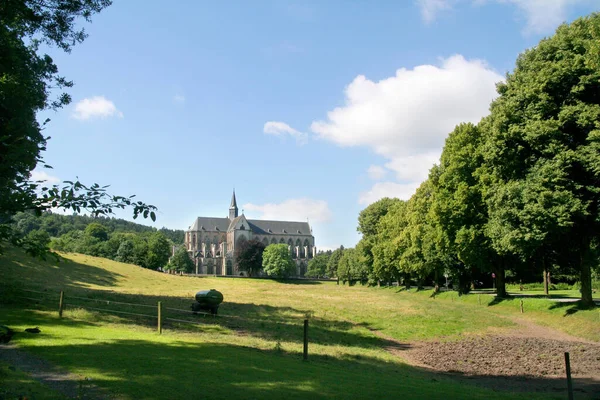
<point>310,109</point>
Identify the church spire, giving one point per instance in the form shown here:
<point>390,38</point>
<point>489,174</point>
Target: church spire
<point>233,209</point>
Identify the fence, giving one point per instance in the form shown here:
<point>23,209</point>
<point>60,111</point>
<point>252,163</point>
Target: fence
<point>63,301</point>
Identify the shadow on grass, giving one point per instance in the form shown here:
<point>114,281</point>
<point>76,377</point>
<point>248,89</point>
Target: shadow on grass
<point>133,368</point>
<point>30,271</point>
<point>572,307</point>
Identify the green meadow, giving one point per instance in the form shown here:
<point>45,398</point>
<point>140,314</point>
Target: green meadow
<point>253,348</point>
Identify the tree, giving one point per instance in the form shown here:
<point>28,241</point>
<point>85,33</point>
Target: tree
<point>26,81</point>
<point>332,264</point>
<point>97,231</point>
<point>543,149</point>
<point>159,250</point>
<point>460,211</point>
<point>277,261</point>
<point>317,266</point>
<point>368,222</point>
<point>350,269</point>
<point>181,261</point>
<point>249,256</point>
<point>125,252</point>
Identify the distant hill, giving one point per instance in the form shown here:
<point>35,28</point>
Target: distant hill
<point>57,225</point>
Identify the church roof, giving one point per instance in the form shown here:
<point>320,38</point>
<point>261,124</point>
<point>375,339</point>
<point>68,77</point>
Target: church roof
<point>263,227</point>
<point>210,224</point>
<point>233,201</point>
<point>258,226</point>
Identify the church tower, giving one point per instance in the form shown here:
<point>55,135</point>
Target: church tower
<point>233,209</point>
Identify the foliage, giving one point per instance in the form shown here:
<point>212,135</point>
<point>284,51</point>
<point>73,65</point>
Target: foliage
<point>350,267</point>
<point>159,250</point>
<point>332,264</point>
<point>277,261</point>
<point>181,261</point>
<point>317,266</point>
<point>542,155</point>
<point>97,231</point>
<point>249,256</point>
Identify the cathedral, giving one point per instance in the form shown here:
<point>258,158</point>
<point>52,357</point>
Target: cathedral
<point>211,241</point>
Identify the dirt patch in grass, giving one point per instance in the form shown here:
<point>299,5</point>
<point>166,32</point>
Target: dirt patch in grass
<point>528,358</point>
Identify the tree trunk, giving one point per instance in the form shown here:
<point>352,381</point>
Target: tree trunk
<point>500,275</point>
<point>586,275</point>
<point>545,272</point>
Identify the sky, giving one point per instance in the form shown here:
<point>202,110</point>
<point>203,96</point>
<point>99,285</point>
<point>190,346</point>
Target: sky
<point>311,110</point>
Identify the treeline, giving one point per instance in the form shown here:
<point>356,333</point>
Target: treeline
<point>111,238</point>
<point>57,225</point>
<point>516,195</point>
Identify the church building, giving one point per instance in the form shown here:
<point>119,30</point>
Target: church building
<point>211,241</point>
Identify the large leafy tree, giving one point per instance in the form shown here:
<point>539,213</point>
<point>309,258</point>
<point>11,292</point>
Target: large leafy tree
<point>460,211</point>
<point>28,80</point>
<point>159,250</point>
<point>543,152</point>
<point>181,261</point>
<point>334,260</point>
<point>317,266</point>
<point>368,222</point>
<point>277,261</point>
<point>249,256</point>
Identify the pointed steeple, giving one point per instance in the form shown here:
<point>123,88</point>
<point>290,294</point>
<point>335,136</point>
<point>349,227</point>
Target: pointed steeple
<point>233,209</point>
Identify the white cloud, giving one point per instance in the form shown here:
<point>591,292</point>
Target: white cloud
<point>95,107</point>
<point>376,172</point>
<point>40,175</point>
<point>293,210</point>
<point>277,128</point>
<point>542,16</point>
<point>407,117</point>
<point>388,189</point>
<point>179,99</point>
<point>430,8</point>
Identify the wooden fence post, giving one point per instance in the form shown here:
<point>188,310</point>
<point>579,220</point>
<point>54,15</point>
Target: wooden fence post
<point>521,306</point>
<point>569,383</point>
<point>159,327</point>
<point>60,304</point>
<point>305,339</point>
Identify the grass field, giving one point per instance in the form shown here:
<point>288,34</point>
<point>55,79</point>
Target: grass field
<point>254,348</point>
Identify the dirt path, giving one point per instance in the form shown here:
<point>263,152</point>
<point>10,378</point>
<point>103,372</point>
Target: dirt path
<point>527,358</point>
<point>69,384</point>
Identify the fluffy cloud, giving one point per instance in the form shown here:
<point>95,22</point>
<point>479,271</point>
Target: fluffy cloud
<point>542,16</point>
<point>293,210</point>
<point>277,128</point>
<point>96,107</point>
<point>407,117</point>
<point>388,189</point>
<point>179,99</point>
<point>376,172</point>
<point>40,175</point>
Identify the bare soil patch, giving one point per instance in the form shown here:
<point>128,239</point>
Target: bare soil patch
<point>527,358</point>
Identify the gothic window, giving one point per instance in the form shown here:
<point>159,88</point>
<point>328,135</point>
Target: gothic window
<point>243,228</point>
<point>265,241</point>
<point>273,241</point>
<point>281,240</point>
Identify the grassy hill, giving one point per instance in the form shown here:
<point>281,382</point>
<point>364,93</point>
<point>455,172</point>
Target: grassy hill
<point>253,349</point>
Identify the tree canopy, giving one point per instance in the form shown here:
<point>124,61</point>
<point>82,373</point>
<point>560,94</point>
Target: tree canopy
<point>277,261</point>
<point>249,256</point>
